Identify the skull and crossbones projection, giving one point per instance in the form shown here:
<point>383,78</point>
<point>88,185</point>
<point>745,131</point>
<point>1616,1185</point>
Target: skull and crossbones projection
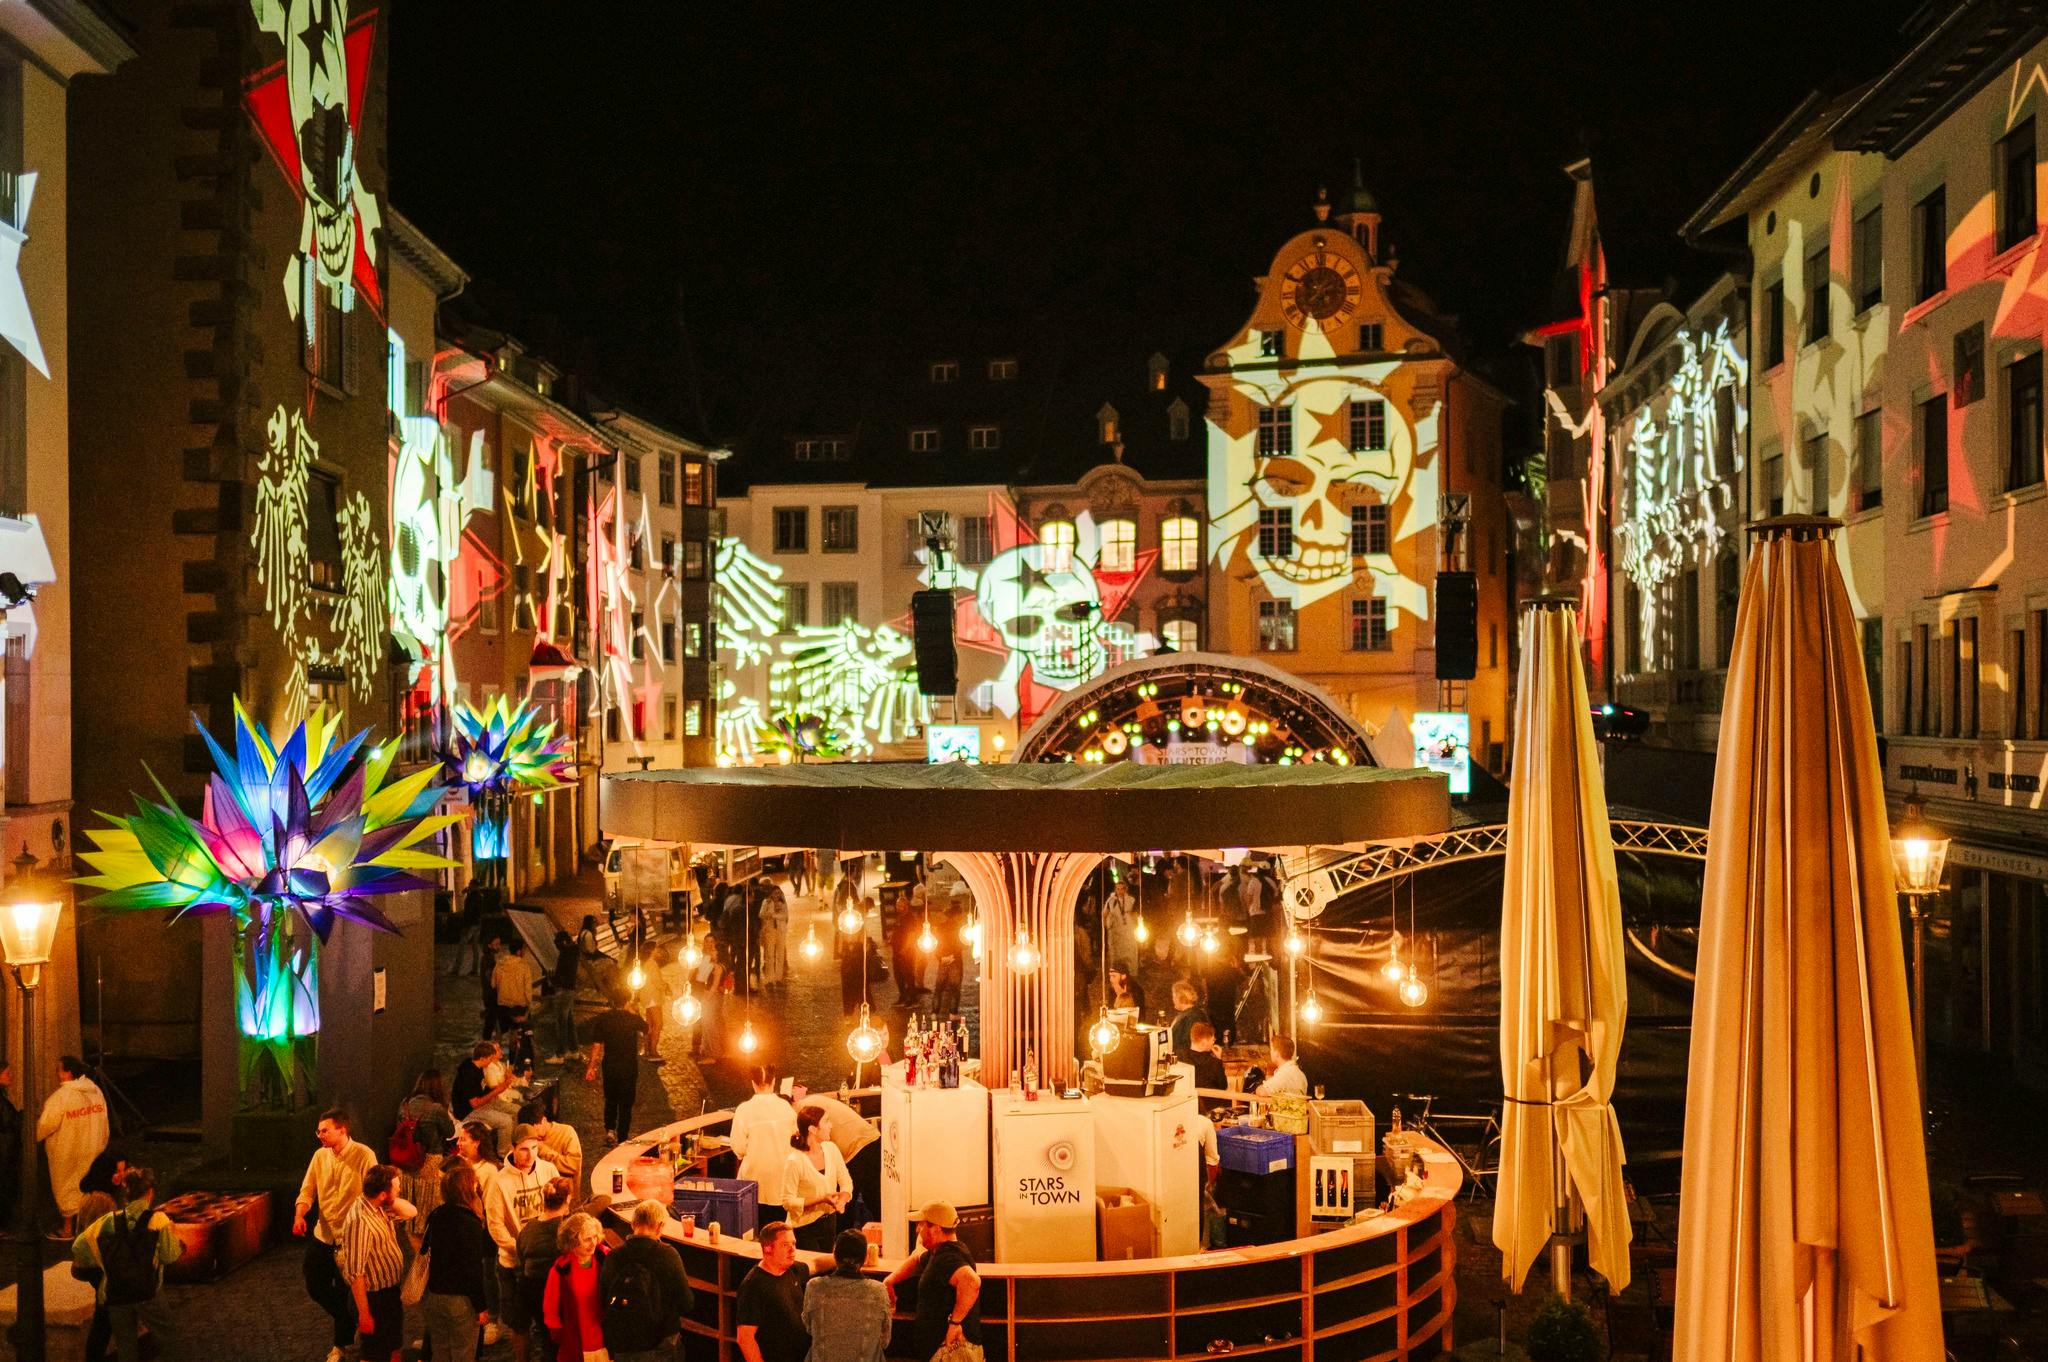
<point>309,109</point>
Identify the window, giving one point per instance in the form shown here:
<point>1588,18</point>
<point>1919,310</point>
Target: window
<point>1773,324</point>
<point>1817,296</point>
<point>1002,370</point>
<point>2041,674</point>
<point>1182,636</point>
<point>1276,626</point>
<point>1923,665</point>
<point>915,536</point>
<point>1369,338</point>
<point>1106,425</point>
<point>944,371</point>
<point>1058,538</point>
<point>1270,346</point>
<point>668,479</point>
<point>1771,487</point>
<point>1561,361</point>
<point>1119,546</point>
<point>1727,595</point>
<point>1180,544</point>
<point>1869,262</point>
<point>668,553</point>
<point>693,719</point>
<point>2016,186</point>
<point>1816,455</point>
<point>668,641</point>
<point>632,472</point>
<point>924,440</point>
<point>2023,422</point>
<point>984,437</point>
<point>1934,454</point>
<point>1632,628</point>
<point>792,529</point>
<point>2016,691</point>
<point>323,531</point>
<point>693,639</point>
<point>636,553</point>
<point>820,449</point>
<point>1869,461</point>
<point>1368,530</point>
<point>842,604</point>
<point>693,483</point>
<point>693,560</point>
<point>668,717</point>
<point>1276,431</point>
<point>1155,372</point>
<point>1369,626</point>
<point>1969,366</point>
<point>1965,684</point>
<point>839,527</point>
<point>1276,532</point>
<point>1930,245</point>
<point>328,351</point>
<point>1687,624</point>
<point>518,480</point>
<point>1368,423</point>
<point>1177,420</point>
<point>639,636</point>
<point>1872,630</point>
<point>796,606</point>
<point>977,539</point>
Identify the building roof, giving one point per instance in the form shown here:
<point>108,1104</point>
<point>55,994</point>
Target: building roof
<point>412,245</point>
<point>1806,133</point>
<point>1120,807</point>
<point>1953,59</point>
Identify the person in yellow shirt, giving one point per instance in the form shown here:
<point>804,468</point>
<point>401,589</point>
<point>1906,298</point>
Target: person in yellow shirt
<point>559,1142</point>
<point>332,1186</point>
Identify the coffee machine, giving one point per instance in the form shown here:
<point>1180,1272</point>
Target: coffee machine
<point>1140,1064</point>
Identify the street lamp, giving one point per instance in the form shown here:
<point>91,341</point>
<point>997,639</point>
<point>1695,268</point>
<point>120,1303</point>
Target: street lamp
<point>28,932</point>
<point>1919,851</point>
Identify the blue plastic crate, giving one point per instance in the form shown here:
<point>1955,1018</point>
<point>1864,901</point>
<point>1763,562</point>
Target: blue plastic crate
<point>1252,1149</point>
<point>733,1202</point>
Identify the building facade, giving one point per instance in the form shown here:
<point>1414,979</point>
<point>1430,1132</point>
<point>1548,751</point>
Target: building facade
<point>1352,459</point>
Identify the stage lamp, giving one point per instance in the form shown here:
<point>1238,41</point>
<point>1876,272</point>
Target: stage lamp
<point>1103,1036</point>
<point>1311,1007</point>
<point>686,1008</point>
<point>1142,932</point>
<point>811,948</point>
<point>1413,991</point>
<point>1188,932</point>
<point>748,1041</point>
<point>1296,943</point>
<point>1024,957</point>
<point>852,919</point>
<point>636,977</point>
<point>864,1043</point>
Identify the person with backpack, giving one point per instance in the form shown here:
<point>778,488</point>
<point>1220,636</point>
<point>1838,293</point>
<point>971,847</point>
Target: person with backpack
<point>644,1291</point>
<point>129,1249</point>
<point>424,1131</point>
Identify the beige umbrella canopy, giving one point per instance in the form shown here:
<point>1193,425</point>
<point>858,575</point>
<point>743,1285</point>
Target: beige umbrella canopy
<point>1564,992</point>
<point>1803,1222</point>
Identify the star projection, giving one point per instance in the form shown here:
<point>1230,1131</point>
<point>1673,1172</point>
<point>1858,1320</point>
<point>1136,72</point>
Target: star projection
<point>17,324</point>
<point>308,108</point>
<point>291,838</point>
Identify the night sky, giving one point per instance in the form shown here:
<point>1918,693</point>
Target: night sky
<point>693,209</point>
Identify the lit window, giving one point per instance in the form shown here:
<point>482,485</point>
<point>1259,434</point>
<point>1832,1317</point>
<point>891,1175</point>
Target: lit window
<point>693,560</point>
<point>1369,626</point>
<point>1276,532</point>
<point>984,437</point>
<point>1276,626</point>
<point>1119,547</point>
<point>1183,636</point>
<point>693,483</point>
<point>1368,423</point>
<point>1002,370</point>
<point>945,371</point>
<point>1368,530</point>
<point>693,639</point>
<point>693,719</point>
<point>1156,371</point>
<point>924,440</point>
<point>1058,538</point>
<point>1106,425</point>
<point>1180,544</point>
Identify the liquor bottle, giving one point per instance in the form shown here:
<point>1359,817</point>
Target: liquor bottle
<point>1396,1130</point>
<point>949,1061</point>
<point>911,1046</point>
<point>961,1023</point>
<point>1031,1075</point>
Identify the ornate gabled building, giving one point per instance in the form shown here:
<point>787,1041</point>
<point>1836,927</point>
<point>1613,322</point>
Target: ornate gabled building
<point>1351,459</point>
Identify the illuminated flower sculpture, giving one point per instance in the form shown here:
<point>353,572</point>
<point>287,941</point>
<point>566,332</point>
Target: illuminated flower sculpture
<point>494,751</point>
<point>291,837</point>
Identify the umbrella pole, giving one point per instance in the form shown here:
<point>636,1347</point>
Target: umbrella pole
<point>1560,1227</point>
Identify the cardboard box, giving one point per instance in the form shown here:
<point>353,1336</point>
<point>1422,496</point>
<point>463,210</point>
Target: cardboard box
<point>1123,1220</point>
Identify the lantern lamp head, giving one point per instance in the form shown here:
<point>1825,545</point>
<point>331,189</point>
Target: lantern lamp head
<point>1919,851</point>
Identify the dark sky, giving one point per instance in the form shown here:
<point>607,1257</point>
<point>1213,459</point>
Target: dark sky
<point>693,208</point>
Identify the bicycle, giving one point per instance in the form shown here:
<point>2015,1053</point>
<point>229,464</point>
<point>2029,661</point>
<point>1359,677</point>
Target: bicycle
<point>1478,1154</point>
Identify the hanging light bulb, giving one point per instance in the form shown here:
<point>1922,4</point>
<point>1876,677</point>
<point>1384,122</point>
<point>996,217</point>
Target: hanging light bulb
<point>851,918</point>
<point>686,1008</point>
<point>1103,1036</point>
<point>1394,969</point>
<point>1311,1007</point>
<point>1141,931</point>
<point>926,942</point>
<point>1188,932</point>
<point>636,977</point>
<point>812,948</point>
<point>1024,956</point>
<point>692,957</point>
<point>1413,991</point>
<point>1210,943</point>
<point>864,1043</point>
<point>1296,943</point>
<point>748,1041</point>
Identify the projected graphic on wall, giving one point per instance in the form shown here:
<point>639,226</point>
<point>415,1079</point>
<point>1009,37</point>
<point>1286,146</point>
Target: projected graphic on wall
<point>308,106</point>
<point>1686,459</point>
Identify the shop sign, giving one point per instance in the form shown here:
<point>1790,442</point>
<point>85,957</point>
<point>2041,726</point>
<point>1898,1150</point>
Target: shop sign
<point>1928,775</point>
<point>1961,855</point>
<point>2019,782</point>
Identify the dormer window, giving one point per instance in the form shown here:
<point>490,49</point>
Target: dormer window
<point>924,440</point>
<point>1002,370</point>
<point>1106,425</point>
<point>984,437</point>
<point>1269,345</point>
<point>1177,420</point>
<point>1155,369</point>
<point>945,371</point>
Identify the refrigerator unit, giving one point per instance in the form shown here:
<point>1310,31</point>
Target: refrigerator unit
<point>1044,1179</point>
<point>933,1143</point>
<point>1153,1144</point>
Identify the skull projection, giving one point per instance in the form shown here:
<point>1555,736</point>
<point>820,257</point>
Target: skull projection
<point>1051,620</point>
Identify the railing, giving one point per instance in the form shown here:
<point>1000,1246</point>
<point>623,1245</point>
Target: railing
<point>1380,863</point>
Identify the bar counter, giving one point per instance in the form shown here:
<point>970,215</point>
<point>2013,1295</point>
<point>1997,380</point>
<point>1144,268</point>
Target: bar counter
<point>1380,1289</point>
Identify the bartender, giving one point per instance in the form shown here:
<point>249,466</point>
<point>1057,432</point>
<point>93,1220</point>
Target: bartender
<point>1187,1013</point>
<point>1208,1065</point>
<point>1287,1075</point>
<point>762,1127</point>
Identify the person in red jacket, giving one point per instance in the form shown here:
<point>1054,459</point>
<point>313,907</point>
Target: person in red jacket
<point>572,1308</point>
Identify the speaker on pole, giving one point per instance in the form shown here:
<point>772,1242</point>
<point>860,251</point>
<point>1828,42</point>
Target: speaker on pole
<point>931,620</point>
<point>1457,626</point>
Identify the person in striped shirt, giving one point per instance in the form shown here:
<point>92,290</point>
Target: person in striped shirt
<point>371,1262</point>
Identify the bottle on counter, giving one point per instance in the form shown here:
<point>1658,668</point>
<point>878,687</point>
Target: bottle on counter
<point>960,1023</point>
<point>1395,1129</point>
<point>911,1048</point>
<point>1031,1075</point>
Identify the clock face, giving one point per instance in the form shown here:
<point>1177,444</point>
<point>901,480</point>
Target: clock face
<point>1321,287</point>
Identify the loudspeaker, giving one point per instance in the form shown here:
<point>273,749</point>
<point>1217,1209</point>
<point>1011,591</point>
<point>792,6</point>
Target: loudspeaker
<point>1457,626</point>
<point>931,619</point>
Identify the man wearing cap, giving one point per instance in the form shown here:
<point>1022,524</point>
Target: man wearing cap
<point>948,1288</point>
<point>515,1197</point>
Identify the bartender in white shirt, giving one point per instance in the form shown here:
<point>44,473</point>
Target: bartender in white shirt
<point>762,1127</point>
<point>1287,1075</point>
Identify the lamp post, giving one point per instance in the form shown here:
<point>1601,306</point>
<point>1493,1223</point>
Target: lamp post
<point>1919,851</point>
<point>28,929</point>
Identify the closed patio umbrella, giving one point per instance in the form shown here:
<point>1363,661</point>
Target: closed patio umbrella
<point>1803,1228</point>
<point>1564,992</point>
